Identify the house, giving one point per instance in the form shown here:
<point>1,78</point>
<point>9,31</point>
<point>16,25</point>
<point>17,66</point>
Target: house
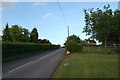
<point>44,41</point>
<point>89,42</point>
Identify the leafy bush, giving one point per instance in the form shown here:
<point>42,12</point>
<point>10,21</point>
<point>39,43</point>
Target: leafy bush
<point>117,49</point>
<point>92,45</point>
<point>73,47</point>
<point>12,49</point>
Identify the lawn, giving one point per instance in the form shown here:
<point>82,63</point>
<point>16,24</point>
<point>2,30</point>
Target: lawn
<point>87,65</point>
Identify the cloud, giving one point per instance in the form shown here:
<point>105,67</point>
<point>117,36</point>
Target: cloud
<point>7,5</point>
<point>38,3</point>
<point>48,15</point>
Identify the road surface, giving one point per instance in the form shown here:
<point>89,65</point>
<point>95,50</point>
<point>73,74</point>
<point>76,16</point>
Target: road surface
<point>37,66</point>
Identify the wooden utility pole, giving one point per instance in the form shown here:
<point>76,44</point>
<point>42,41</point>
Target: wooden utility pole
<point>68,31</point>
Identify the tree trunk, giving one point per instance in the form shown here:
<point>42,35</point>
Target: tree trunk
<point>105,44</point>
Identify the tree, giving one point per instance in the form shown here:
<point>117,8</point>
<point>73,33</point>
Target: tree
<point>6,34</point>
<point>73,38</point>
<point>44,41</point>
<point>99,24</point>
<point>19,34</point>
<point>15,32</point>
<point>114,36</point>
<point>25,35</point>
<point>34,35</point>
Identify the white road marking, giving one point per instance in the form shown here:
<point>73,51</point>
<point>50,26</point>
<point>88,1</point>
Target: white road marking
<point>32,61</point>
<point>19,67</point>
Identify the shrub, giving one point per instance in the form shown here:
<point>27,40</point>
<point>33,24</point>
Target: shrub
<point>117,49</point>
<point>12,49</point>
<point>73,47</point>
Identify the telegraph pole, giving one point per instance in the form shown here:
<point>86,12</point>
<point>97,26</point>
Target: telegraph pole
<point>68,33</point>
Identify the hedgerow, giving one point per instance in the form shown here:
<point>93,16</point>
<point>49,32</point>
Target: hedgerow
<point>73,47</point>
<point>11,49</point>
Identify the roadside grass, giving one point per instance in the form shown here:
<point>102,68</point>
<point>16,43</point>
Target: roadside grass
<point>87,65</point>
<point>98,49</point>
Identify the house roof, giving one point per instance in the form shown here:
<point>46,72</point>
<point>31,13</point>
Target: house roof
<point>91,41</point>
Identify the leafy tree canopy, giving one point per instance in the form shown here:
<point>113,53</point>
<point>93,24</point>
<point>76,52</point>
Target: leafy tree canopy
<point>34,35</point>
<point>6,34</point>
<point>73,38</point>
<point>101,24</point>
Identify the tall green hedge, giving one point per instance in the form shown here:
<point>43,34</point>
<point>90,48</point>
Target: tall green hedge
<point>73,47</point>
<point>11,49</point>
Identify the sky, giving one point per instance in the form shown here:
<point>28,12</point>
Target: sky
<point>47,17</point>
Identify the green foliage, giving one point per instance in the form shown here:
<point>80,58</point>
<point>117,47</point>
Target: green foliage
<point>117,49</point>
<point>47,41</point>
<point>114,36</point>
<point>15,33</point>
<point>19,34</point>
<point>73,38</point>
<point>34,35</point>
<point>12,49</point>
<point>25,35</point>
<point>44,41</point>
<point>73,47</point>
<point>103,25</point>
<point>6,34</point>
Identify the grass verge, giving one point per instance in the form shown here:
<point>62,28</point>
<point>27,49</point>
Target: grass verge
<point>85,65</point>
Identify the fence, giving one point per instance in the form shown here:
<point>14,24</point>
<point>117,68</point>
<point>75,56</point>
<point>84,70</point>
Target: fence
<point>98,49</point>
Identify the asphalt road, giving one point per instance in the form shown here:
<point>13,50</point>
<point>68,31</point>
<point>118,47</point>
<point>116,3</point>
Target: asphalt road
<point>37,66</point>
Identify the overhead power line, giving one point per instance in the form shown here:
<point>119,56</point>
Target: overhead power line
<point>62,13</point>
<point>63,17</point>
